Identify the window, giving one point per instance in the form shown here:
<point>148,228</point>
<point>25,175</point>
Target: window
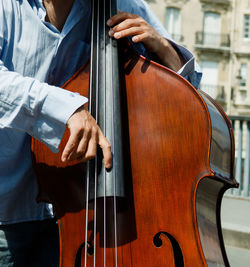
<point>246,26</point>
<point>243,74</point>
<point>212,28</point>
<point>173,23</point>
<point>209,82</point>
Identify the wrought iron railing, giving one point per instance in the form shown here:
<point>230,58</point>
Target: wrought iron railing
<point>215,91</point>
<point>177,37</point>
<point>212,39</point>
<point>226,2</point>
<point>241,127</point>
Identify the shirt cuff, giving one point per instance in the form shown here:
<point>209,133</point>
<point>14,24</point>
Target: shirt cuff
<point>190,70</point>
<point>57,108</point>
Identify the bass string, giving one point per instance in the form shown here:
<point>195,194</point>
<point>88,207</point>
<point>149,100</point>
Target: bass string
<point>112,6</point>
<point>104,129</point>
<point>111,73</point>
<point>86,217</point>
<point>95,87</point>
<point>91,73</point>
<point>97,19</point>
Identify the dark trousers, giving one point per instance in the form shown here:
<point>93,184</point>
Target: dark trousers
<point>29,244</point>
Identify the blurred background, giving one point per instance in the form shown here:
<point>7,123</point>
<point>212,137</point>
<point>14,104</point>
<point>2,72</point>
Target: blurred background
<point>217,32</point>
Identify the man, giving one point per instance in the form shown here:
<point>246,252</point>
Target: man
<point>42,44</point>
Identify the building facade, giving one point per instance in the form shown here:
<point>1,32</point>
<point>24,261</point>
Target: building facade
<point>218,33</point>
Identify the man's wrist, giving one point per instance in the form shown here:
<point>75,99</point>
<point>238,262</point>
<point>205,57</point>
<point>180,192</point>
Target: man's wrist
<point>169,56</point>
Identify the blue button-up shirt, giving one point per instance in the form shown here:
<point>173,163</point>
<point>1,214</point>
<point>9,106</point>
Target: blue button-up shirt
<point>35,58</point>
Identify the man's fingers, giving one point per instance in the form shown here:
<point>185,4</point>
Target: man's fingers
<point>121,16</point>
<point>107,155</point>
<point>83,144</point>
<point>127,32</point>
<point>85,134</point>
<point>106,150</point>
<point>70,146</point>
<point>83,148</point>
<point>91,149</point>
<point>144,37</point>
<point>125,25</point>
<point>128,23</point>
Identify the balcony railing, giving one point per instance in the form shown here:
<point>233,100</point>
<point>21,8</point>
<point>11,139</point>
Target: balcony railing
<point>212,40</point>
<point>215,91</point>
<point>177,37</point>
<point>241,126</point>
<point>226,2</point>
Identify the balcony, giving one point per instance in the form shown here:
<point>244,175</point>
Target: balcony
<point>236,202</point>
<point>222,2</point>
<point>212,41</point>
<point>179,38</point>
<point>215,91</point>
<point>241,127</point>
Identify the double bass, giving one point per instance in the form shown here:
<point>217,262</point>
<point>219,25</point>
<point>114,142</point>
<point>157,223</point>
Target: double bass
<point>173,157</point>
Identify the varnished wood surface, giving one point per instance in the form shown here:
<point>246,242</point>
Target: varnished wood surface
<point>167,133</point>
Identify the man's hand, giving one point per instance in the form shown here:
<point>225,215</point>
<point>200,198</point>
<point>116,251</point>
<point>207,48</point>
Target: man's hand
<point>85,135</point>
<point>125,24</point>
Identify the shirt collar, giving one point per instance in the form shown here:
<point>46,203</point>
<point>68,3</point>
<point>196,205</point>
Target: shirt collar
<point>80,9</point>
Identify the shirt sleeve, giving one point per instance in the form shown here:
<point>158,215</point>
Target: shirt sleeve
<point>33,107</point>
<point>28,105</point>
<point>191,70</point>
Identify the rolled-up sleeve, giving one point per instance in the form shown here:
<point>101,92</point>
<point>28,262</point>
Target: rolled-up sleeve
<point>27,104</point>
<point>35,108</point>
<point>190,70</point>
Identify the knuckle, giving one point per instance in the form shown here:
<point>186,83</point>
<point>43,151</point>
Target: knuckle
<point>77,130</point>
<point>121,34</point>
<point>87,129</point>
<point>146,35</point>
<point>129,21</point>
<point>80,151</point>
<point>137,39</point>
<point>81,159</point>
<point>70,145</point>
<point>94,131</point>
<point>116,28</point>
<point>108,145</point>
<point>125,14</point>
<point>90,155</point>
<point>140,20</point>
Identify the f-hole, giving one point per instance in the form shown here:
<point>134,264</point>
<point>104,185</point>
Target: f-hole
<point>178,256</point>
<point>90,251</point>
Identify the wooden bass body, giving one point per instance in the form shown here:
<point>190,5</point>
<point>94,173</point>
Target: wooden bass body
<point>178,157</point>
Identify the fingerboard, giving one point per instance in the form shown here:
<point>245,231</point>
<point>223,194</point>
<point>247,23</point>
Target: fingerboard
<point>105,99</point>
